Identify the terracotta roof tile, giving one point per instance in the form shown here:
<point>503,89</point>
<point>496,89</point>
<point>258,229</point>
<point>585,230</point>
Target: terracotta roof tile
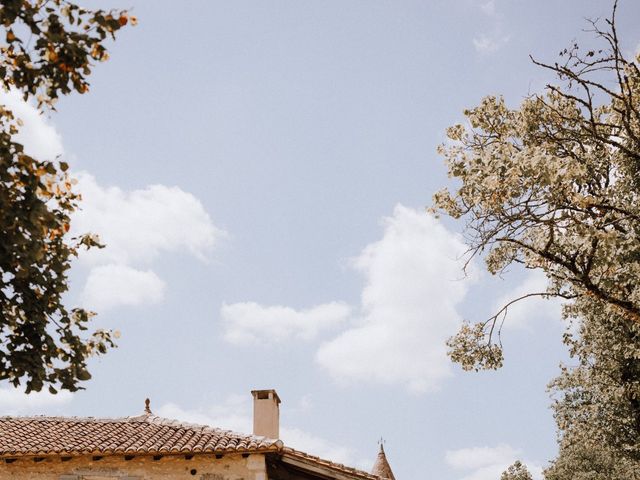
<point>145,434</point>
<point>148,434</point>
<point>329,464</point>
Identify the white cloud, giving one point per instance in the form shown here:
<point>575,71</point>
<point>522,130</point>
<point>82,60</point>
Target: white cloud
<point>219,416</point>
<point>408,309</point>
<point>137,227</point>
<point>249,322</point>
<point>39,138</point>
<point>15,402</point>
<point>321,447</point>
<point>486,44</point>
<point>235,414</point>
<point>529,310</point>
<point>488,463</point>
<point>412,287</point>
<point>113,285</point>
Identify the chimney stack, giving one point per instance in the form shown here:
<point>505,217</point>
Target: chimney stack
<point>266,413</point>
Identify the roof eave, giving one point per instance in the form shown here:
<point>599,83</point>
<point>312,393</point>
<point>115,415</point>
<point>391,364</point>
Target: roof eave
<point>323,468</point>
<point>147,453</point>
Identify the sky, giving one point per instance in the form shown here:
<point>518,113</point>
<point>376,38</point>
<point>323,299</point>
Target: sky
<point>259,171</point>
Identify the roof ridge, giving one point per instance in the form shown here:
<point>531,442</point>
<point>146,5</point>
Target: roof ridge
<point>172,422</point>
<point>62,418</point>
<point>149,418</point>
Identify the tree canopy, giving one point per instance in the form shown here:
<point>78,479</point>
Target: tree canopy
<point>517,471</point>
<point>554,185</point>
<point>597,402</point>
<point>49,51</point>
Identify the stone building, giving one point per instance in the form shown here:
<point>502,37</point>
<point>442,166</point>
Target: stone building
<point>148,447</point>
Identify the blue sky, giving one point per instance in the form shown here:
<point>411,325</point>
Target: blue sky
<point>259,171</point>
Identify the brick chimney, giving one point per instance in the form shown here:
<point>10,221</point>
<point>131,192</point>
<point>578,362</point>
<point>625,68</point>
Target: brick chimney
<point>266,413</point>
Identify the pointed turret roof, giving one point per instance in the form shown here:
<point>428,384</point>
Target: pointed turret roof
<point>382,468</point>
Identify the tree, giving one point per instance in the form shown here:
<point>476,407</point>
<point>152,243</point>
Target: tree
<point>597,402</point>
<point>554,185</point>
<point>577,462</point>
<point>517,471</point>
<point>50,49</point>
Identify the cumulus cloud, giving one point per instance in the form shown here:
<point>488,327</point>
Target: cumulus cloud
<point>408,309</point>
<point>412,287</point>
<point>251,323</point>
<point>235,414</point>
<point>112,285</point>
<point>488,463</point>
<point>137,227</point>
<point>15,402</point>
<point>321,447</point>
<point>38,136</point>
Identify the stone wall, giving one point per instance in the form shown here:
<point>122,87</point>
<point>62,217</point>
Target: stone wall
<point>168,467</point>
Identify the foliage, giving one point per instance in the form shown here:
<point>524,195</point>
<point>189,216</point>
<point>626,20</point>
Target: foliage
<point>51,45</point>
<point>597,404</point>
<point>49,52</point>
<point>588,462</point>
<point>517,471</point>
<point>554,185</point>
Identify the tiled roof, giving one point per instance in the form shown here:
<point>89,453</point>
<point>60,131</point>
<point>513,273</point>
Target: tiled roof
<point>144,434</point>
<point>329,464</point>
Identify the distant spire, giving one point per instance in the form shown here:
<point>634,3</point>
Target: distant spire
<point>147,409</point>
<point>381,467</point>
